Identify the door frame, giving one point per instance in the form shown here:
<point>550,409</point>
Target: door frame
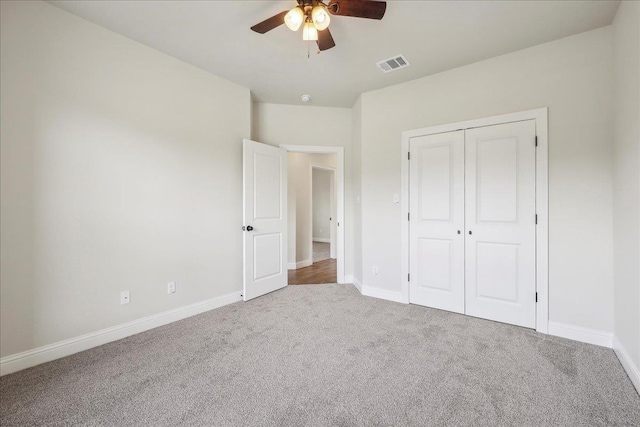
<point>540,115</point>
<point>332,201</point>
<point>339,152</point>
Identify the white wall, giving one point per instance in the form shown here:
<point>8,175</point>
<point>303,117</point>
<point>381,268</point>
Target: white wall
<point>300,225</point>
<point>321,206</point>
<point>572,77</point>
<point>357,190</point>
<point>277,124</point>
<point>116,163</point>
<point>626,181</point>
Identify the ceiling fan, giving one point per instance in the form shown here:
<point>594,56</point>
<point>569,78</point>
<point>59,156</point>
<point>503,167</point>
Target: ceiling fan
<point>314,17</point>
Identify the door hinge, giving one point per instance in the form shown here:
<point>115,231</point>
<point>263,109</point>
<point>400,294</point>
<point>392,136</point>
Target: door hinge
<point>409,216</point>
<point>536,219</point>
<point>408,277</point>
<point>409,156</point>
<point>536,297</point>
<point>536,140</point>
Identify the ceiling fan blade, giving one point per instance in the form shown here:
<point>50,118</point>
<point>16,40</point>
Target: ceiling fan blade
<point>325,40</point>
<point>358,8</point>
<point>270,24</point>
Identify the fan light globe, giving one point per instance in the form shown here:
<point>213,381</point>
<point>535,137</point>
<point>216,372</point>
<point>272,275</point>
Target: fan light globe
<point>320,17</point>
<point>294,18</point>
<point>309,31</point>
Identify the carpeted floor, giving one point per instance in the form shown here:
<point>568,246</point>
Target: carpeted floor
<point>321,251</point>
<point>325,355</point>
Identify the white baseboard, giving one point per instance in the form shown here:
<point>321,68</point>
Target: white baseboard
<point>356,283</point>
<point>382,294</point>
<point>625,360</point>
<point>578,333</point>
<point>351,279</point>
<point>47,353</point>
<point>303,264</point>
<point>321,240</point>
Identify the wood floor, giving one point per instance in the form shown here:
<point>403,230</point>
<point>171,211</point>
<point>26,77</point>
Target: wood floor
<point>319,272</point>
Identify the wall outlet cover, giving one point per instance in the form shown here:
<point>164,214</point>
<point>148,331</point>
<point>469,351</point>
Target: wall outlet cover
<point>125,297</point>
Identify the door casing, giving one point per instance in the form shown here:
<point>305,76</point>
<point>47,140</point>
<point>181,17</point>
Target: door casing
<point>540,116</point>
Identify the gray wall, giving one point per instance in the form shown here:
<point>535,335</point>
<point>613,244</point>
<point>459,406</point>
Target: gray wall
<point>572,77</point>
<point>121,170</point>
<point>626,182</point>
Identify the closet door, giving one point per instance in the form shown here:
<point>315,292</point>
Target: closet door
<point>436,262</point>
<point>500,231</point>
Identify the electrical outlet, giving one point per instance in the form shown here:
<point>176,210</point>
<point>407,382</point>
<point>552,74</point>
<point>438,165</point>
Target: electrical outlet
<point>171,287</point>
<point>124,297</point>
<point>375,270</point>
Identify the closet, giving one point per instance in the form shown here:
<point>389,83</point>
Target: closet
<point>472,228</point>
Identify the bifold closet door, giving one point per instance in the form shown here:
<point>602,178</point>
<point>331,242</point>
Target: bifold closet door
<point>500,253</point>
<point>436,228</point>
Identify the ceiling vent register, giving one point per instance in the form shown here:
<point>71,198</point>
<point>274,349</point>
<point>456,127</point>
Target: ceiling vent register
<point>393,64</point>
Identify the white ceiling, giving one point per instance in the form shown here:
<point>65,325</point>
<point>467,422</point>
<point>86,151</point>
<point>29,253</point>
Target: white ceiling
<point>434,36</point>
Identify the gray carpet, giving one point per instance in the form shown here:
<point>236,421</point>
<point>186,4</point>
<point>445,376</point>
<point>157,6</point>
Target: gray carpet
<point>327,356</point>
<point>321,251</point>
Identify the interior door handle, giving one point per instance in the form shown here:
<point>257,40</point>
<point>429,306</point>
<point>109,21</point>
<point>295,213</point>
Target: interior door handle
<point>247,228</point>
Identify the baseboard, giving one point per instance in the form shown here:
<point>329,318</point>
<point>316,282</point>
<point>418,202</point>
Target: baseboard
<point>321,240</point>
<point>578,333</point>
<point>291,266</point>
<point>356,283</point>
<point>303,264</point>
<point>381,293</point>
<point>625,360</point>
<point>47,353</point>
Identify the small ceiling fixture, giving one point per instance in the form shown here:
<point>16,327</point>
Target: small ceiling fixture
<point>305,98</point>
<point>314,17</point>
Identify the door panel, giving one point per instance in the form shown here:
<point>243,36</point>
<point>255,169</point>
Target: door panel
<point>497,177</point>
<point>437,215</point>
<point>267,188</point>
<point>500,230</point>
<point>434,267</point>
<point>265,219</point>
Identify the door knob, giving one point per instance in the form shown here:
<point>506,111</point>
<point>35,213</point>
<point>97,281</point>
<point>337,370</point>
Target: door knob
<point>249,228</point>
<point>458,231</point>
<point>470,232</point>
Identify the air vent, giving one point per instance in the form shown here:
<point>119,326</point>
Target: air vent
<point>393,64</point>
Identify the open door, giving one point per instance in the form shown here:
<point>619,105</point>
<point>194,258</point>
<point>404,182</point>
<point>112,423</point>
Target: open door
<point>264,219</point>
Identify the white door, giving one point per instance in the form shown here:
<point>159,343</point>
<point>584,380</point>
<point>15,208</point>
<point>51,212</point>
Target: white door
<point>436,227</point>
<point>500,252</point>
<point>265,219</point>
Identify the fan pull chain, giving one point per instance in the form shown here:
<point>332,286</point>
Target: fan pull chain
<point>308,54</point>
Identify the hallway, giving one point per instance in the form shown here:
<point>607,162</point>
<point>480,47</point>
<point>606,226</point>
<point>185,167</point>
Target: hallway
<point>320,272</point>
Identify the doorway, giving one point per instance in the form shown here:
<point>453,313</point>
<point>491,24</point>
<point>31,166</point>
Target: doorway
<point>315,214</point>
<point>323,211</point>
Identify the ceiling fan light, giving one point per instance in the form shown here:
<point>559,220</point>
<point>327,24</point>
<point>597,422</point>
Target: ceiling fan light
<point>294,18</point>
<point>309,31</point>
<point>320,17</point>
